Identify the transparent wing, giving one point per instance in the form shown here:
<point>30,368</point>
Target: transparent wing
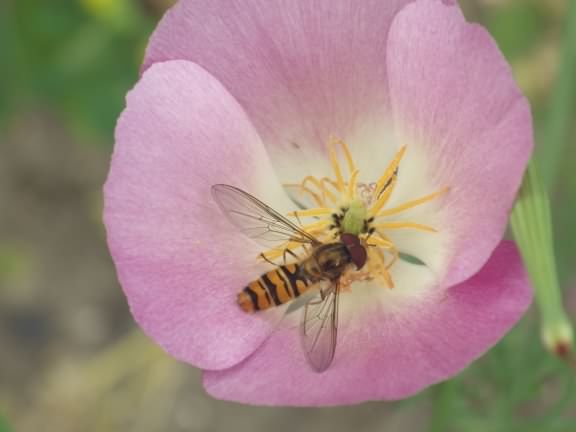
<point>257,220</point>
<point>319,328</point>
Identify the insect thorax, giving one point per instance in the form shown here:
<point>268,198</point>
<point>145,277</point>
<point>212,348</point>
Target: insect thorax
<point>327,262</point>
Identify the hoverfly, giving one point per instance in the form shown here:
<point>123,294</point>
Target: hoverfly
<point>322,269</point>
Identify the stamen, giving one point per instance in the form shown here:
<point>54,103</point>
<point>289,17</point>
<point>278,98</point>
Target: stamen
<point>386,183</point>
<point>413,203</point>
<point>383,238</point>
<point>277,252</point>
<point>336,166</point>
<point>352,185</point>
<point>390,171</point>
<point>325,192</point>
<point>374,241</point>
<point>400,225</point>
<point>315,196</point>
<point>395,257</point>
<point>384,195</point>
<point>347,155</point>
<point>319,211</point>
<point>330,182</point>
<point>303,189</point>
<point>313,228</point>
<point>377,266</point>
<point>317,228</point>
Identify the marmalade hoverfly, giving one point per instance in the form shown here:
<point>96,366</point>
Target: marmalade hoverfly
<point>322,269</point>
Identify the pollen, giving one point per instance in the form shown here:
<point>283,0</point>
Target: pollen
<point>345,205</point>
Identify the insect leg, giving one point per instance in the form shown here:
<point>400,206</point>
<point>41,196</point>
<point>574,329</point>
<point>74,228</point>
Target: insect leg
<point>288,251</point>
<point>298,218</point>
<point>266,259</point>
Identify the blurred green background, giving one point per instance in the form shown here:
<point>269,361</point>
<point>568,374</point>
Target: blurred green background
<point>71,358</point>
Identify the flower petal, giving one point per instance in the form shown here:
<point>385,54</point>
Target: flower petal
<point>302,70</point>
<point>179,260</point>
<point>387,356</point>
<point>455,101</point>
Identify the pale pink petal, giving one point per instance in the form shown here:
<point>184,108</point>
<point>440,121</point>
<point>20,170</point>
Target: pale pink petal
<point>387,356</point>
<point>179,260</point>
<point>456,104</point>
<point>301,69</point>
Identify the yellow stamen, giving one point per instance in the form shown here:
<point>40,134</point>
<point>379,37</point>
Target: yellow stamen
<point>319,211</point>
<point>413,203</point>
<point>390,170</point>
<point>329,181</point>
<point>320,186</point>
<point>314,196</point>
<point>316,226</point>
<point>400,225</point>
<point>383,198</point>
<point>336,167</point>
<point>352,185</point>
<point>385,242</point>
<point>313,228</point>
<point>395,257</point>
<point>303,189</point>
<point>380,242</point>
<point>280,251</point>
<point>377,266</point>
<point>386,183</point>
<point>347,155</point>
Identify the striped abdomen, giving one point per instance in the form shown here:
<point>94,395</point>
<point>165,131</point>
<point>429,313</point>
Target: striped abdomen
<point>273,288</point>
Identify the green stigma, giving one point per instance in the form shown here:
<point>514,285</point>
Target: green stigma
<point>354,216</point>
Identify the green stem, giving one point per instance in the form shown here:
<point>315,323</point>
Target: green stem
<point>532,228</point>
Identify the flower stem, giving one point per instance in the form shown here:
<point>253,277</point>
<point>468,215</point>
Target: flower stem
<point>532,228</point>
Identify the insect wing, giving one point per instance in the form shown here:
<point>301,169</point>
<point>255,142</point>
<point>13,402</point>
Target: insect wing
<point>257,220</point>
<point>319,328</point>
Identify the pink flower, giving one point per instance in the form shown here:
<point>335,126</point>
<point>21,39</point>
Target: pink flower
<point>249,93</point>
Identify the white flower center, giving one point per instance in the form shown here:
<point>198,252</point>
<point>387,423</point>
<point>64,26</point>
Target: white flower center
<point>346,206</point>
